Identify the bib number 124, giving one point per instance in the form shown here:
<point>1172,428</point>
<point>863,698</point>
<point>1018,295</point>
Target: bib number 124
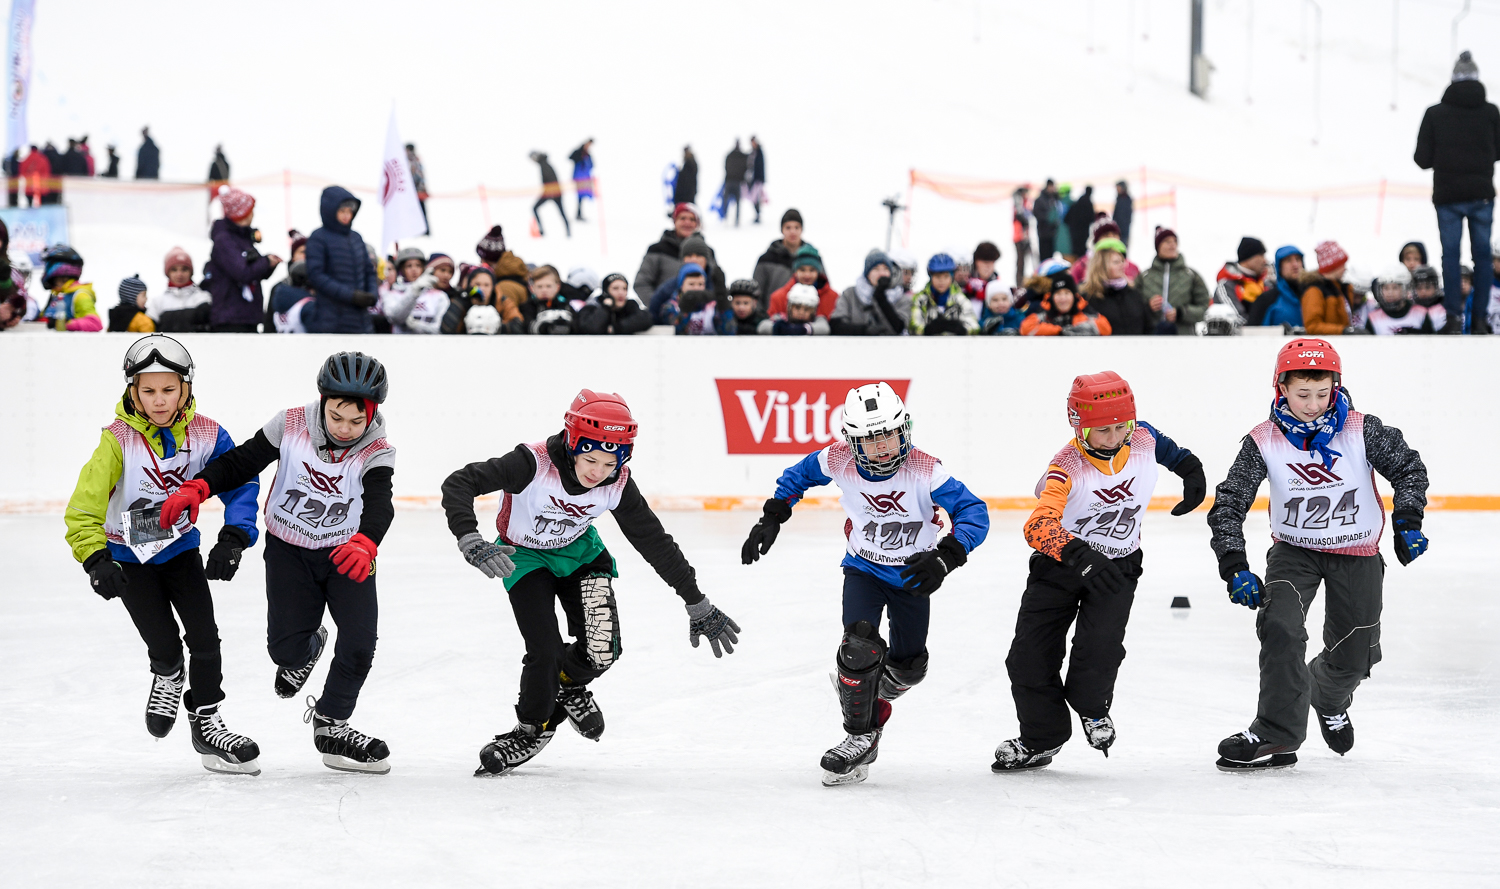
<point>1318,513</point>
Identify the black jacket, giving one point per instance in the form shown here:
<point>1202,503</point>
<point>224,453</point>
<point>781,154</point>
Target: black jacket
<point>597,318</point>
<point>1459,141</point>
<point>1080,216</point>
<point>686,189</point>
<point>735,163</point>
<point>338,265</point>
<point>1126,310</point>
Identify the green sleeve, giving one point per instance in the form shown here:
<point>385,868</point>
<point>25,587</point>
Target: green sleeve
<point>85,516</point>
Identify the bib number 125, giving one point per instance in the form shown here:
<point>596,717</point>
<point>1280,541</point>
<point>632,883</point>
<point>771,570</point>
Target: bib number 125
<point>1116,523</point>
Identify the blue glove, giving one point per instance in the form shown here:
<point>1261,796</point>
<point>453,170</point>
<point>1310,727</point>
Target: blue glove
<point>1246,589</point>
<point>1408,539</point>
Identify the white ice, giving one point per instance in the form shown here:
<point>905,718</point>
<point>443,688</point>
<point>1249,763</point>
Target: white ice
<point>708,772</point>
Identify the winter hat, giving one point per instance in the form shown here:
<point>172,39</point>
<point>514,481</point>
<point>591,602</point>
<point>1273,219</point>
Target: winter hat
<point>693,245</point>
<point>1162,233</point>
<point>1105,228</point>
<point>1064,282</point>
<point>176,256</point>
<point>492,245</point>
<point>749,287</point>
<point>130,288</point>
<point>1114,244</point>
<point>995,287</point>
<point>438,259</point>
<point>1330,256</point>
<point>688,270</point>
<point>802,295</point>
<point>687,208</point>
<point>237,204</point>
<point>468,273</point>
<point>1249,247</point>
<point>406,253</point>
<point>807,254</point>
<point>584,278</point>
<point>986,252</point>
<point>1464,68</point>
<point>791,215</point>
<point>874,258</point>
<point>611,278</point>
<point>297,238</point>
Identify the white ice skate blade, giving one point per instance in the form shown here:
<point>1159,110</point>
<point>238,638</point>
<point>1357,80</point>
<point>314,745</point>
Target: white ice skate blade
<point>855,776</point>
<point>345,764</point>
<point>225,767</point>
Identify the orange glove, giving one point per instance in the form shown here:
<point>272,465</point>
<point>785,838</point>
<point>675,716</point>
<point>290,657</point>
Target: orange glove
<point>189,497</point>
<point>355,557</point>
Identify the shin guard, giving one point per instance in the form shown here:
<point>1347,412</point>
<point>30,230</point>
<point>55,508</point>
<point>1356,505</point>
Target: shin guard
<point>860,659</point>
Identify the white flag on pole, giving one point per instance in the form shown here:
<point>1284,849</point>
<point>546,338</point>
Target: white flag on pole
<point>18,59</point>
<point>398,193</point>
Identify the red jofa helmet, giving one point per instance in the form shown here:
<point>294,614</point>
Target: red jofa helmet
<point>601,417</point>
<point>1307,354</point>
<point>1100,399</point>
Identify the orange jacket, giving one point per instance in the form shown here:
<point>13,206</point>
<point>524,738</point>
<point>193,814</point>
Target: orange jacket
<point>1325,304</point>
<point>1043,323</point>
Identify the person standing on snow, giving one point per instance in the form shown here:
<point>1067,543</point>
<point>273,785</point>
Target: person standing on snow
<point>583,173</point>
<point>757,176</point>
<point>685,189</point>
<point>1048,215</point>
<point>339,269</point>
<point>1078,219</point>
<point>736,163</point>
<point>147,157</point>
<point>551,191</point>
<point>1124,210</point>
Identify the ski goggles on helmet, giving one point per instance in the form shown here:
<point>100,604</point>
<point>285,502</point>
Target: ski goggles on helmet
<point>158,354</point>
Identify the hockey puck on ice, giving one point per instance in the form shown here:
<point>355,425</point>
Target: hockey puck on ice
<point>1180,602</point>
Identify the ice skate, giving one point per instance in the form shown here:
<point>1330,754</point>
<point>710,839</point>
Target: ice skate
<point>222,750</point>
<point>513,749</point>
<point>343,748</point>
<point>1015,756</point>
<point>163,701</point>
<point>577,702</point>
<point>289,681</point>
<point>1099,732</point>
<point>849,761</point>
<point>1246,752</point>
<point>1338,731</point>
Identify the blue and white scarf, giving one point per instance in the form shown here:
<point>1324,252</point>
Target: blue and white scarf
<point>1314,435</point>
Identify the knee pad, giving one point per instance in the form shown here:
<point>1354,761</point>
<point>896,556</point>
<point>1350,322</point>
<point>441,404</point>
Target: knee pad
<point>862,649</point>
<point>601,621</point>
<point>899,676</point>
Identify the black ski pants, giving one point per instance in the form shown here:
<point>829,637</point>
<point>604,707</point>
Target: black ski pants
<point>556,199</point>
<point>300,583</point>
<point>866,596</point>
<point>588,602</point>
<point>1053,599</point>
<point>153,592</point>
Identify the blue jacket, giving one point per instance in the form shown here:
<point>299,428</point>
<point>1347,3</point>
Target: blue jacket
<point>1287,309</point>
<point>337,265</point>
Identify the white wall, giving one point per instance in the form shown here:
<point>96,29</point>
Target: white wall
<point>991,409</point>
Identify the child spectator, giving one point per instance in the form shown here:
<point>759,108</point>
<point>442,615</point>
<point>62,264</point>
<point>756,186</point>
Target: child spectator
<point>1241,282</point>
<point>985,257</point>
<point>1108,290</point>
<point>1065,313</point>
<point>182,307</point>
<point>1283,308</point>
<point>801,317</point>
<point>129,314</point>
<point>71,305</point>
<point>1413,254</point>
<point>745,314</point>
<point>413,282</point>
<point>1394,312</point>
<point>580,286</point>
<point>1326,297</point>
<point>693,305</point>
<point>906,263</point>
<point>613,310</point>
<point>941,308</point>
<point>235,268</point>
<point>1101,228</point>
<point>546,311</point>
<point>291,299</point>
<point>807,269</point>
<point>339,269</point>
<point>1000,316</point>
<point>476,288</point>
<point>874,306</point>
<point>1176,293</point>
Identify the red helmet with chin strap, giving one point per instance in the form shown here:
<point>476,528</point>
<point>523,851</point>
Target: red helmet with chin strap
<point>599,416</point>
<point>1306,354</point>
<point>1100,399</point>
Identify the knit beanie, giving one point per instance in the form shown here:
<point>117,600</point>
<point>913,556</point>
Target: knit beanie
<point>176,256</point>
<point>874,258</point>
<point>1464,68</point>
<point>791,215</point>
<point>1114,244</point>
<point>130,288</point>
<point>807,254</point>
<point>986,252</point>
<point>1249,247</point>
<point>1330,256</point>
<point>297,238</point>
<point>1105,228</point>
<point>745,287</point>
<point>693,245</point>
<point>611,278</point>
<point>687,208</point>
<point>1162,233</point>
<point>492,246</point>
<point>438,259</point>
<point>237,204</point>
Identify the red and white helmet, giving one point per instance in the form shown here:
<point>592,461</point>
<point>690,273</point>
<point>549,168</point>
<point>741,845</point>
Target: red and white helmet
<point>600,417</point>
<point>1306,354</point>
<point>1100,399</point>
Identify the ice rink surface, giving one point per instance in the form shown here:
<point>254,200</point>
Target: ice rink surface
<point>708,772</point>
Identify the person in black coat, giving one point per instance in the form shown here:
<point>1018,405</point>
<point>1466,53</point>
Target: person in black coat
<point>551,191</point>
<point>1124,210</point>
<point>1078,219</point>
<point>148,157</point>
<point>736,162</point>
<point>685,191</point>
<point>613,310</point>
<point>1459,141</point>
<point>339,269</point>
<point>1110,294</point>
<point>757,176</point>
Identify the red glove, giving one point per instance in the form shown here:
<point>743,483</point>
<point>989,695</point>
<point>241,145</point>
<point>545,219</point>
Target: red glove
<point>355,557</point>
<point>189,497</point>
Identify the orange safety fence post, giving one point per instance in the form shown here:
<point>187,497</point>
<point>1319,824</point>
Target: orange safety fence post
<point>484,202</point>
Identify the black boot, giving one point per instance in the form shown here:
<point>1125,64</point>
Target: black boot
<point>289,680</point>
<point>1338,731</point>
<point>576,703</point>
<point>513,749</point>
<point>162,703</point>
<point>343,748</point>
<point>222,750</point>
<point>1246,752</point>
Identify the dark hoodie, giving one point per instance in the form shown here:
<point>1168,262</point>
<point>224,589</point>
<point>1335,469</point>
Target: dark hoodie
<point>1459,141</point>
<point>1421,250</point>
<point>337,265</point>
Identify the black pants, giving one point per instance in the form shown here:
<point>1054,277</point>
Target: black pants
<point>1054,597</point>
<point>1046,246</point>
<point>556,200</point>
<point>866,596</point>
<point>588,602</point>
<point>299,584</point>
<point>152,594</point>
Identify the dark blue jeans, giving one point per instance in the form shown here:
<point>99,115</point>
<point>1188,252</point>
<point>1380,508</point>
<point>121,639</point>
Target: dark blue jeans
<point>866,596</point>
<point>1450,217</point>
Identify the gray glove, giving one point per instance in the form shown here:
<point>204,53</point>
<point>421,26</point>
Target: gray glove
<point>491,558</point>
<point>714,625</point>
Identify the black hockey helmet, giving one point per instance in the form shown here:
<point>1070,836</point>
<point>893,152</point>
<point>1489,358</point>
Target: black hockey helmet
<point>353,375</point>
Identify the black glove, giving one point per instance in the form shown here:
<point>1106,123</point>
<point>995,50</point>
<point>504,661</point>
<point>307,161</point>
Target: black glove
<point>224,558</point>
<point>764,533</point>
<point>925,571</point>
<point>1245,587</point>
<point>1194,485</point>
<point>362,299</point>
<point>105,574</point>
<point>1098,572</point>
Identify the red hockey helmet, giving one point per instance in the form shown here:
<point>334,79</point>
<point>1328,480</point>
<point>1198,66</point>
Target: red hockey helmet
<point>1306,354</point>
<point>601,417</point>
<point>1100,399</point>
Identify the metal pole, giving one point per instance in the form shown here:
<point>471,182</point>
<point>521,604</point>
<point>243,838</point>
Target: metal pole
<point>1317,71</point>
<point>1129,51</point>
<point>1249,47</point>
<point>1453,44</point>
<point>1395,45</point>
<point>1195,85</point>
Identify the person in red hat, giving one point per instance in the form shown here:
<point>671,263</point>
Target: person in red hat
<point>1326,297</point>
<point>235,267</point>
<point>1320,457</point>
<point>547,550</point>
<point>663,258</point>
<point>1086,533</point>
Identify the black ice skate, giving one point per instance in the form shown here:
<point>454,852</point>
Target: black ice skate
<point>343,748</point>
<point>513,749</point>
<point>849,761</point>
<point>1246,752</point>
<point>222,750</point>
<point>1099,732</point>
<point>1338,731</point>
<point>1015,756</point>
<point>162,703</point>
<point>289,681</point>
<point>577,702</point>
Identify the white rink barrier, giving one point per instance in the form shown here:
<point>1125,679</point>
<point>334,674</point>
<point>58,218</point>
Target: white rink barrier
<point>993,409</point>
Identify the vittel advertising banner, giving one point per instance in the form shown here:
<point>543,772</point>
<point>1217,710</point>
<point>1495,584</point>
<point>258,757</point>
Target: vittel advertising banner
<point>786,416</point>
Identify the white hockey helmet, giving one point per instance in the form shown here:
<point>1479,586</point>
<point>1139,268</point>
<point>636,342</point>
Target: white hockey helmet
<point>1392,288</point>
<point>877,427</point>
<point>903,258</point>
<point>483,320</point>
<point>1222,319</point>
<point>584,278</point>
<point>803,295</point>
<point>157,353</point>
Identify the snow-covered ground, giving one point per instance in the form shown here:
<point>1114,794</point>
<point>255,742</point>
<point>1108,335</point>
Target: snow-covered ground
<point>708,772</point>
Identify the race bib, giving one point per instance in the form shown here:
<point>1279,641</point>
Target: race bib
<point>144,534</point>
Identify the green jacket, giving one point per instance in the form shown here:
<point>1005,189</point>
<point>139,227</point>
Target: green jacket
<point>925,310</point>
<point>1184,290</point>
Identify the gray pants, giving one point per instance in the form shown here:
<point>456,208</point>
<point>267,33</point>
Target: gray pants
<point>1351,637</point>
